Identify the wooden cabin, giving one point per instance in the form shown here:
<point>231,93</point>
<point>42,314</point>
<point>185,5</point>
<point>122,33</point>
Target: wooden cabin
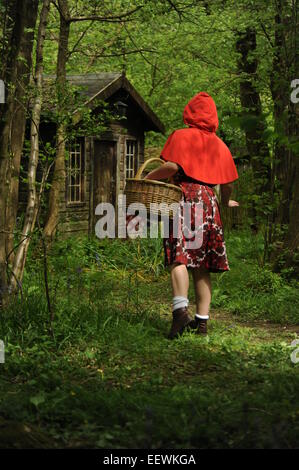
<point>97,166</point>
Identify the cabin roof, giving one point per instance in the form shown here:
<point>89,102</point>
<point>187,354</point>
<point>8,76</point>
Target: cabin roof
<point>92,83</point>
<point>102,86</point>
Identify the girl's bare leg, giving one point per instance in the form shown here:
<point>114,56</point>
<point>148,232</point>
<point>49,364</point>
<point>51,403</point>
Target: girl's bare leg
<point>203,290</point>
<point>179,280</point>
<point>180,287</point>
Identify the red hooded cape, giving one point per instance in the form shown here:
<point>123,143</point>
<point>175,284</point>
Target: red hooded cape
<point>197,149</point>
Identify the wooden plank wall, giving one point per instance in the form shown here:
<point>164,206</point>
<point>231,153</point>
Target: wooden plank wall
<point>79,218</point>
<point>74,218</point>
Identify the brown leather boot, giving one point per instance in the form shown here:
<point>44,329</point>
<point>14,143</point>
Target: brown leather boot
<point>180,319</point>
<point>202,327</point>
<point>199,325</point>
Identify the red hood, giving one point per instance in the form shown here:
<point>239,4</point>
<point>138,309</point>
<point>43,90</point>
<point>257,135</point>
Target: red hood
<point>201,112</point>
<point>197,149</point>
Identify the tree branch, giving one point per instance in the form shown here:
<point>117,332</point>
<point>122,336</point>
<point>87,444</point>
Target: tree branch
<point>135,45</point>
<point>80,39</point>
<point>266,33</point>
<point>116,54</point>
<point>108,19</point>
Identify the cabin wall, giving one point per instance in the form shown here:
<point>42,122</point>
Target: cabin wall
<point>121,169</point>
<point>75,217</point>
<point>120,134</point>
<point>80,218</point>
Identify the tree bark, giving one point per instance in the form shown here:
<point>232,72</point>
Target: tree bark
<point>19,122</point>
<point>21,15</point>
<point>252,107</point>
<point>286,254</point>
<point>280,89</point>
<point>254,121</point>
<point>32,202</point>
<point>58,181</point>
<point>290,247</point>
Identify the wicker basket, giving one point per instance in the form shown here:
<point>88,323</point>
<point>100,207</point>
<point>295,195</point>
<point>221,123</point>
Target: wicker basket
<point>148,192</point>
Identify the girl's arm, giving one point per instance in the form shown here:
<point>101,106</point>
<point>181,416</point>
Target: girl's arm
<point>226,190</point>
<point>167,170</point>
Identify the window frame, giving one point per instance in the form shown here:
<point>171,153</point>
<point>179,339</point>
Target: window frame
<point>77,170</point>
<point>134,158</point>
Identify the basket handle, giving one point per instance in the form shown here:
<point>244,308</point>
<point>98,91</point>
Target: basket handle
<point>144,165</point>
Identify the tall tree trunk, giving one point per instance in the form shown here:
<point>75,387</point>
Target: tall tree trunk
<point>280,89</point>
<point>286,254</point>
<point>22,15</point>
<point>253,119</point>
<point>290,247</point>
<point>32,202</point>
<point>19,121</point>
<point>58,181</point>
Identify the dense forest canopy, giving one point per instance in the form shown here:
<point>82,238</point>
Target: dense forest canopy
<point>170,53</point>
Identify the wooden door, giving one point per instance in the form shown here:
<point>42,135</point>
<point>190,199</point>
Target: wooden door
<point>104,172</point>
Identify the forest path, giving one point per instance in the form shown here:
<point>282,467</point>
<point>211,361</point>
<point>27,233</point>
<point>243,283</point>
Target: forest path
<point>273,329</point>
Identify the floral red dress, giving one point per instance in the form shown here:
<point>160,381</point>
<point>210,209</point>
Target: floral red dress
<point>211,251</point>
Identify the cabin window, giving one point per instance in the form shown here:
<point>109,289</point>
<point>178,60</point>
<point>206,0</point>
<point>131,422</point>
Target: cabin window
<point>75,173</point>
<point>131,151</point>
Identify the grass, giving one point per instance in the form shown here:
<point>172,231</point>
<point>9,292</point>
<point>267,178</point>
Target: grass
<point>252,291</point>
<point>107,377</point>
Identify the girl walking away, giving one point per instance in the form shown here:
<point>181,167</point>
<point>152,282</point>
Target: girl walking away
<point>196,159</point>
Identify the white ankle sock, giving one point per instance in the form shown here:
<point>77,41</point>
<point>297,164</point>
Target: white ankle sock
<point>202,317</point>
<point>179,302</point>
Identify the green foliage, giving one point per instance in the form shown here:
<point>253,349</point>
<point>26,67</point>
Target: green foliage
<point>252,291</point>
<point>103,374</point>
<point>264,280</point>
<point>169,53</point>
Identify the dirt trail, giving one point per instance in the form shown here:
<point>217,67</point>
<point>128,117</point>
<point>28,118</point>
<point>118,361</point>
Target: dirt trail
<point>273,329</point>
